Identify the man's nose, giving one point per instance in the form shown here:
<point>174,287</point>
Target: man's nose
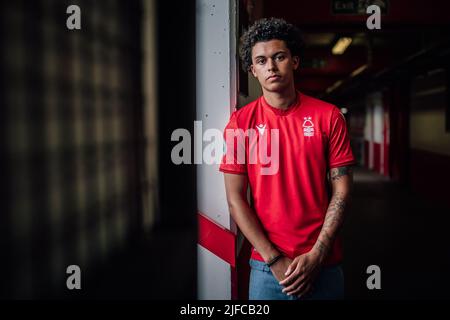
<point>271,65</point>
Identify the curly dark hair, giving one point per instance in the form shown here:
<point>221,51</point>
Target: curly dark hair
<point>269,29</point>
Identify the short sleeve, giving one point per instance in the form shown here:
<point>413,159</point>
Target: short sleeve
<point>233,160</point>
<point>339,149</point>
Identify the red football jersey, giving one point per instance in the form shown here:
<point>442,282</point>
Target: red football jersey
<point>286,155</point>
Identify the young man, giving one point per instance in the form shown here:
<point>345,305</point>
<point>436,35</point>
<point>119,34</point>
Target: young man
<point>293,224</point>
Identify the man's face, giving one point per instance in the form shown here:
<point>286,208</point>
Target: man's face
<point>273,65</point>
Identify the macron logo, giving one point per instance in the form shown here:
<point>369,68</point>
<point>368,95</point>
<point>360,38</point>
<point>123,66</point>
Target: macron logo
<point>261,127</point>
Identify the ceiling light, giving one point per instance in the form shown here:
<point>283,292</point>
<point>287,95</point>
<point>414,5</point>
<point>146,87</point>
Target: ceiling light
<point>341,45</point>
<point>359,70</point>
<point>334,86</point>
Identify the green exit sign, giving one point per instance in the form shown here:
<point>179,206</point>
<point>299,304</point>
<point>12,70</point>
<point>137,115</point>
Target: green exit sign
<point>357,6</point>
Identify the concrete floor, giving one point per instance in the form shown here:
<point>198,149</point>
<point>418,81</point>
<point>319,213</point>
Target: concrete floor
<point>404,235</point>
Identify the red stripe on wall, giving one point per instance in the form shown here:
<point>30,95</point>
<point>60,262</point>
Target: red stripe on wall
<point>366,153</point>
<point>217,239</point>
<point>386,135</point>
<point>386,160</point>
<point>376,157</point>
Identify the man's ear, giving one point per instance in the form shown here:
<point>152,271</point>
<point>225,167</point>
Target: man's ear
<point>295,62</point>
<point>252,69</point>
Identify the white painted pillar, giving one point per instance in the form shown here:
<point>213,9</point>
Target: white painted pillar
<point>216,95</point>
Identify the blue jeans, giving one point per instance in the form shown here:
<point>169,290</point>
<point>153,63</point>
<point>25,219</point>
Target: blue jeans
<point>329,284</point>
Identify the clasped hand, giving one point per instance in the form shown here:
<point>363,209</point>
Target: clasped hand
<point>298,278</point>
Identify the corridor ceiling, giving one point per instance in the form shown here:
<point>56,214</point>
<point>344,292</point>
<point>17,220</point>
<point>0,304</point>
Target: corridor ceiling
<point>407,27</point>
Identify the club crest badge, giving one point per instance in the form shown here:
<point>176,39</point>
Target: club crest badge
<point>308,127</point>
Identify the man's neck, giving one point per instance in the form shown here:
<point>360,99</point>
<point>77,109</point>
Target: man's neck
<point>281,100</point>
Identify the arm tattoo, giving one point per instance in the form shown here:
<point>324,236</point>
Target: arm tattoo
<point>333,221</point>
<point>321,246</point>
<point>335,213</point>
<point>337,173</point>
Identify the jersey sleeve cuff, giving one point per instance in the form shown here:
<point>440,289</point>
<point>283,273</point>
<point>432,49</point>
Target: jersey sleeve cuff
<point>342,164</point>
<point>232,171</point>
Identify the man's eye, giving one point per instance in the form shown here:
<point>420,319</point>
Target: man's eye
<point>260,61</point>
<point>280,58</point>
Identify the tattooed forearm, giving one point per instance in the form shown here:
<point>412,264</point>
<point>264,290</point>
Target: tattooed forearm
<point>337,173</point>
<point>321,247</point>
<point>341,180</point>
<point>335,210</point>
<point>333,221</point>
